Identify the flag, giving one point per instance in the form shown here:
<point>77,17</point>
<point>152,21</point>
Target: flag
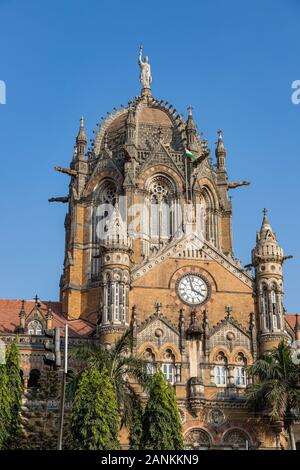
<point>189,154</point>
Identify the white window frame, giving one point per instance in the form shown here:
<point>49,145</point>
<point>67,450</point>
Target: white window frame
<point>220,376</point>
<point>240,378</point>
<point>168,369</point>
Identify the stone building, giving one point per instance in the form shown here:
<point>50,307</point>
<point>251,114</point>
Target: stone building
<point>148,242</point>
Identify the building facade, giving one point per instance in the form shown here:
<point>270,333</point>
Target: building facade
<point>148,243</point>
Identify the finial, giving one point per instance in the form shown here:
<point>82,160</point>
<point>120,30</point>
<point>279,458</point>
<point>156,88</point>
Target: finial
<point>22,309</point>
<point>220,151</point>
<point>82,121</point>
<point>158,308</point>
<point>190,110</point>
<point>228,311</point>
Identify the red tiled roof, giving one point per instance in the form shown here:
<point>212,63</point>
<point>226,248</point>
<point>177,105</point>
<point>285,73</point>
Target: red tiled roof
<point>9,317</point>
<point>291,319</point>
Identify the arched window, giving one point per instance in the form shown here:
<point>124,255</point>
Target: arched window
<point>240,370</point>
<point>265,301</point>
<point>35,328</point>
<point>275,309</point>
<point>197,439</point>
<point>236,439</point>
<point>150,358</point>
<point>168,367</point>
<point>162,222</point>
<point>221,370</point>
<point>211,220</point>
<point>101,211</point>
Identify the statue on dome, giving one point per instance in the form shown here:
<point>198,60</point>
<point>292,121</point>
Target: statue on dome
<point>145,75</point>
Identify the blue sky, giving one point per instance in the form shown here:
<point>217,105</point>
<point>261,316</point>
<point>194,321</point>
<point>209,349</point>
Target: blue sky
<point>233,61</point>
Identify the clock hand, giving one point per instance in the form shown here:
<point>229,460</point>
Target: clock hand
<point>191,283</point>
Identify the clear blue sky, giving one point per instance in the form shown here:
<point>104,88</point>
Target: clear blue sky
<point>233,60</point>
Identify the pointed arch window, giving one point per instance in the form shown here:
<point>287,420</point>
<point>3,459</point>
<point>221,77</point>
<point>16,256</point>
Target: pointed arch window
<point>265,302</point>
<point>275,309</point>
<point>105,200</point>
<point>35,328</point>
<point>240,370</point>
<point>168,367</point>
<point>221,370</point>
<point>162,211</point>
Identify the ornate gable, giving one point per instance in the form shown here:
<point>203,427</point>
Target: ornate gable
<point>158,330</point>
<point>230,333</point>
<point>192,247</point>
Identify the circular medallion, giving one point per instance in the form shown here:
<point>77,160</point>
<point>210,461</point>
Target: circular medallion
<point>193,289</point>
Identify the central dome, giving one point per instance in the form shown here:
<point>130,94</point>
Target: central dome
<point>156,116</point>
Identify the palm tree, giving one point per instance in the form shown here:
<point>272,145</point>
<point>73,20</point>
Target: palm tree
<point>123,367</point>
<point>276,387</point>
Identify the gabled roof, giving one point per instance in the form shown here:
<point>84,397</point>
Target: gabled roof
<point>9,317</point>
<point>291,319</point>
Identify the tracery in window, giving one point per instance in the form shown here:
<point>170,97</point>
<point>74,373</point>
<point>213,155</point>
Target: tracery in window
<point>221,370</point>
<point>168,366</point>
<point>35,328</point>
<point>162,212</point>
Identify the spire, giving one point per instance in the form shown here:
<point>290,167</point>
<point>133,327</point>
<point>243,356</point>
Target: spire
<point>267,247</point>
<point>81,137</point>
<point>130,124</point>
<point>81,141</point>
<point>297,324</point>
<point>266,231</point>
<point>190,121</point>
<point>191,129</point>
<point>22,316</point>
<point>220,151</point>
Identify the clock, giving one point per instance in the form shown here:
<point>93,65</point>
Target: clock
<point>193,289</point>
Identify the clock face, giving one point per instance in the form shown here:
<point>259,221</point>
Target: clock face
<point>192,289</point>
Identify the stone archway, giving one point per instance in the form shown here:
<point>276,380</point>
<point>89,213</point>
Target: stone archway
<point>197,439</point>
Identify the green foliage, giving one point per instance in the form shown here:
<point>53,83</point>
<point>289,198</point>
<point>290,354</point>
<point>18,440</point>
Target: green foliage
<point>276,386</point>
<point>15,387</point>
<point>161,420</point>
<point>5,406</point>
<point>121,365</point>
<point>95,419</point>
<point>135,426</point>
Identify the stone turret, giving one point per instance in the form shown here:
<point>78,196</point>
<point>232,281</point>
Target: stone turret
<point>267,259</point>
<point>115,279</point>
<point>130,126</point>
<point>191,130</point>
<point>79,162</point>
<point>221,152</point>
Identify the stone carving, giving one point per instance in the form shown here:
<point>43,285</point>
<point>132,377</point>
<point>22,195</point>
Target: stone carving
<point>216,417</point>
<point>236,437</point>
<point>145,75</point>
<point>196,439</point>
